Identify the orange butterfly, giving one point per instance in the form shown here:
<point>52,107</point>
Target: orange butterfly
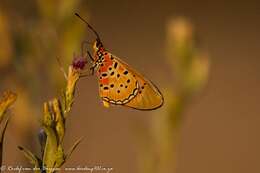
<point>119,84</point>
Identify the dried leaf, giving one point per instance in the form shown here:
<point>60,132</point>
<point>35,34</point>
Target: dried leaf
<point>60,157</point>
<point>6,101</point>
<point>72,149</point>
<point>2,140</point>
<point>33,159</point>
<point>59,119</point>
<point>47,118</point>
<point>50,150</point>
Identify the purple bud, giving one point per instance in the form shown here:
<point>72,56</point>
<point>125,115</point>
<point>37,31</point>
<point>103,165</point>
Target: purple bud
<point>79,63</point>
<point>42,139</point>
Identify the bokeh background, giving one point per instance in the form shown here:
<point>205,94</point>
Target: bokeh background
<point>210,124</point>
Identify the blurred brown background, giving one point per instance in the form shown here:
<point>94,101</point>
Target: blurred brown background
<point>219,131</point>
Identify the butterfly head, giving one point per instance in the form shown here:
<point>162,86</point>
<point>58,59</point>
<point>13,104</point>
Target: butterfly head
<point>97,45</point>
<point>97,49</point>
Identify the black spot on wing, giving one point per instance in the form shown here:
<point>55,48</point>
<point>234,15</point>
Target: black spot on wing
<point>115,65</point>
<point>124,101</point>
<point>104,74</point>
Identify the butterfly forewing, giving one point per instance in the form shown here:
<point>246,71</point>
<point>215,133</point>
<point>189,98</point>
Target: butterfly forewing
<point>121,85</point>
<point>115,86</point>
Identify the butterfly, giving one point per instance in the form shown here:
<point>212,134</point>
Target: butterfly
<point>120,84</point>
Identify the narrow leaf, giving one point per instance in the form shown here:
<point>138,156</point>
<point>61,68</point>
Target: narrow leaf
<point>2,141</point>
<point>49,157</point>
<point>60,157</point>
<point>33,159</point>
<point>73,148</point>
<point>6,101</point>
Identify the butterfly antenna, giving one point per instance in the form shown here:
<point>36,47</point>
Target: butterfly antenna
<point>89,26</point>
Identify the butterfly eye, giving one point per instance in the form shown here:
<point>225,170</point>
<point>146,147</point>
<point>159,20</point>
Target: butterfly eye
<point>98,43</point>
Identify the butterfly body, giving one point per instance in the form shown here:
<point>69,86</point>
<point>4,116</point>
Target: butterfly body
<point>119,84</point>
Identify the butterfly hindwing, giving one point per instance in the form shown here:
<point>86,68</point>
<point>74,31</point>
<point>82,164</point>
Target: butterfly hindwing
<point>122,85</point>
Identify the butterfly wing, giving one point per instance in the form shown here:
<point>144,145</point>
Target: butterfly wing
<point>149,96</point>
<point>122,85</point>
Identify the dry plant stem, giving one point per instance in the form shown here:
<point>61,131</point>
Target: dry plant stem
<point>53,125</point>
<point>54,19</point>
<point>73,77</point>
<point>191,70</point>
<point>190,67</point>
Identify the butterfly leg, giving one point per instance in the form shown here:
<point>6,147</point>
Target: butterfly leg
<point>83,47</point>
<point>90,56</point>
<point>86,73</point>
